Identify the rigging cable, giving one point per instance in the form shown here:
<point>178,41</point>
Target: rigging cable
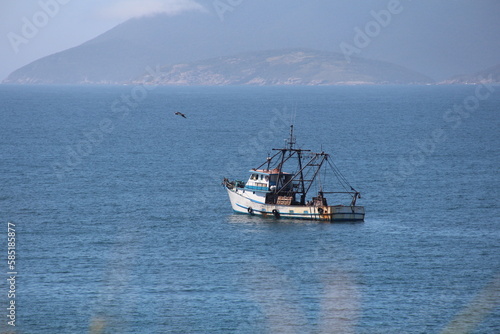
<point>343,181</point>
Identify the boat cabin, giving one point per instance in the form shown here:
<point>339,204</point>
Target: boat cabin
<point>268,180</point>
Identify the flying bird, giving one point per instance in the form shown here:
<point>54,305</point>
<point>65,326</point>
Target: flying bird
<point>180,114</point>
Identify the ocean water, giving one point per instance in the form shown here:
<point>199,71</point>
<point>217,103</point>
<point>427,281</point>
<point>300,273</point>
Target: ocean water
<point>122,225</point>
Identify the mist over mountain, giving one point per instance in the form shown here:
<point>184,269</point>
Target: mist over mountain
<point>123,53</point>
<point>432,38</point>
<point>205,53</point>
<point>198,49</point>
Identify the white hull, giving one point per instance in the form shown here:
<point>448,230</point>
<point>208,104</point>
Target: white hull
<point>248,203</point>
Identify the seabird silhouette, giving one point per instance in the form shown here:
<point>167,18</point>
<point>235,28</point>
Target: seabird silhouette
<point>180,114</point>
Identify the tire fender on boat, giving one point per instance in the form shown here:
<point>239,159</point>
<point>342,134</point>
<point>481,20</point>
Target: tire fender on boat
<point>320,210</point>
<point>276,213</point>
<point>250,210</point>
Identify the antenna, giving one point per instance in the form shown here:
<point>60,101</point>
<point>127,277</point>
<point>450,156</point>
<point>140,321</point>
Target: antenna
<point>291,140</point>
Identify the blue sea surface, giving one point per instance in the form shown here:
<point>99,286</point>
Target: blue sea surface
<point>122,225</point>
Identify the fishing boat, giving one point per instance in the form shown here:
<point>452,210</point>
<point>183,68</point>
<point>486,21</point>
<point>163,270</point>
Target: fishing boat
<point>280,187</point>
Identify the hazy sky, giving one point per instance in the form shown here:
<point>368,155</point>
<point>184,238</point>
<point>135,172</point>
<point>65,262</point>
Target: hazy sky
<point>436,37</point>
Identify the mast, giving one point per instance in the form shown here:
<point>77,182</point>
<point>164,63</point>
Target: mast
<point>291,141</point>
<point>288,184</point>
<point>310,163</point>
<point>280,168</point>
<point>303,196</point>
<point>288,148</point>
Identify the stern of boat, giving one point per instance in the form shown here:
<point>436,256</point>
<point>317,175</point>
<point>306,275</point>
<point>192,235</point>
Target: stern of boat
<point>347,213</point>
